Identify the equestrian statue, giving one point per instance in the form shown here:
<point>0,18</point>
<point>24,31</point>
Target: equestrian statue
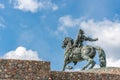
<point>76,51</point>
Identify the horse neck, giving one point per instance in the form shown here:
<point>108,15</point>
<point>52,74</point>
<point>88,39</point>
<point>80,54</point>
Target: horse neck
<point>69,44</point>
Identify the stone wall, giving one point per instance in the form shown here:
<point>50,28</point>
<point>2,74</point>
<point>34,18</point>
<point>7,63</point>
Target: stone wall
<point>23,69</point>
<point>85,75</point>
<point>40,70</point>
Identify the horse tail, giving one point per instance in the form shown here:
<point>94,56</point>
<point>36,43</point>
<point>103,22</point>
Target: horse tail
<point>102,56</point>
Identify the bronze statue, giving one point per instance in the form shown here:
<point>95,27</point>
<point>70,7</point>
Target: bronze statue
<point>76,51</point>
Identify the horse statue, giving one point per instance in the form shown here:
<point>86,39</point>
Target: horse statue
<point>84,53</point>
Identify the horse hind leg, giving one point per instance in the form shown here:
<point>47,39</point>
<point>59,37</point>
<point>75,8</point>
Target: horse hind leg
<point>93,64</point>
<point>102,57</point>
<point>90,61</point>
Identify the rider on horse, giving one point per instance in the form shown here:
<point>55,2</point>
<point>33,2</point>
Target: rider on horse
<point>76,52</point>
<point>80,39</point>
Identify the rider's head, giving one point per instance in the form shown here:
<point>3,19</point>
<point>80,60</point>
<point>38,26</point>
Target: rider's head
<point>81,31</point>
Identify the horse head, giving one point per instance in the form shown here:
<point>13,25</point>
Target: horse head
<point>66,41</point>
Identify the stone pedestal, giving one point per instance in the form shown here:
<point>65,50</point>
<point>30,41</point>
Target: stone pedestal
<point>40,70</point>
<point>93,74</point>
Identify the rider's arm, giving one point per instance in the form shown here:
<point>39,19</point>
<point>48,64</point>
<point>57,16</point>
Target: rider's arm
<point>90,39</point>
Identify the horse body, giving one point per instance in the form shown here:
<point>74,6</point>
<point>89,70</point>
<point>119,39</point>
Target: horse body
<point>83,53</point>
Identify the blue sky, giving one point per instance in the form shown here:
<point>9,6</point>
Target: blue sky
<point>41,25</point>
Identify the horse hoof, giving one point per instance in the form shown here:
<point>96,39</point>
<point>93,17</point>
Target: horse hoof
<point>69,67</point>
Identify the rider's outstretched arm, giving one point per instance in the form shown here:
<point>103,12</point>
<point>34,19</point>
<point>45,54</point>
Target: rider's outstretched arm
<point>90,39</point>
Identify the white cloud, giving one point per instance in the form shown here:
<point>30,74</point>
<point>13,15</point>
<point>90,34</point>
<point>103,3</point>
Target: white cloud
<point>113,63</point>
<point>66,22</point>
<point>2,6</point>
<point>106,30</point>
<point>33,5</point>
<point>22,54</point>
<point>54,7</point>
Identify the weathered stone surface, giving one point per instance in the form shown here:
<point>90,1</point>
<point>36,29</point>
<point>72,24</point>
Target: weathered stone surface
<point>40,70</point>
<point>94,74</point>
<point>108,70</point>
<point>24,69</point>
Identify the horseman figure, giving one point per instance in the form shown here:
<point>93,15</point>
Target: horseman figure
<point>76,52</point>
<point>80,39</point>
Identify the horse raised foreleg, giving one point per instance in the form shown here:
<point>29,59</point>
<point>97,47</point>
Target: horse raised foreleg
<point>90,61</point>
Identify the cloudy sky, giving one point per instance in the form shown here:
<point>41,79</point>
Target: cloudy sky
<point>35,29</point>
